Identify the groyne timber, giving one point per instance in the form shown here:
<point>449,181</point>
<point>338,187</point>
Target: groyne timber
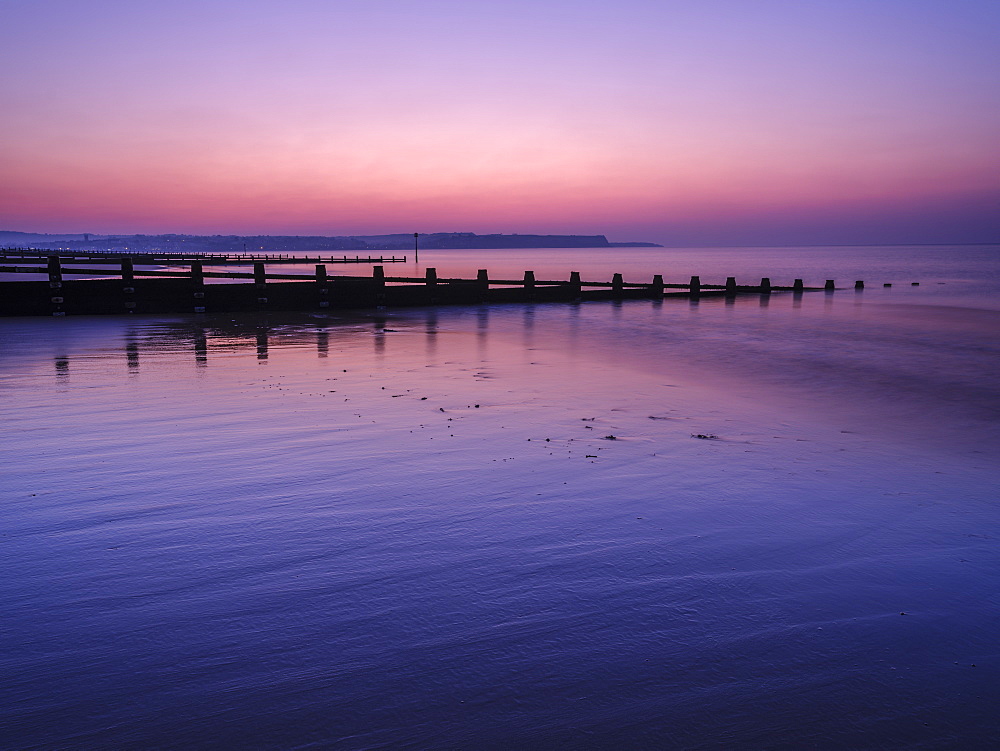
<point>131,285</point>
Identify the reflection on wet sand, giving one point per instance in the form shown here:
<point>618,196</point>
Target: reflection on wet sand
<point>482,328</point>
<point>201,347</point>
<point>430,328</point>
<point>132,354</point>
<point>252,334</point>
<point>379,325</point>
<point>264,333</point>
<point>261,341</point>
<point>528,325</point>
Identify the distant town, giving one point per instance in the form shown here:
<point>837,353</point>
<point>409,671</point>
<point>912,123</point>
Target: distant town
<point>300,243</point>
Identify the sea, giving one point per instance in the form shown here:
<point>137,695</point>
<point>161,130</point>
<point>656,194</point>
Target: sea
<point>761,522</point>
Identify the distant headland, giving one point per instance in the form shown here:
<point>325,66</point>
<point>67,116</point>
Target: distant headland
<point>301,243</point>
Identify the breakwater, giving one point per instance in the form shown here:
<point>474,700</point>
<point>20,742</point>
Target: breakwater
<point>128,287</point>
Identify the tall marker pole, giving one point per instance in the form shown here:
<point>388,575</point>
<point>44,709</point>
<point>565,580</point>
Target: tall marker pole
<point>416,247</point>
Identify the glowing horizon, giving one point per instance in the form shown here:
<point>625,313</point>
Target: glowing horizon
<point>649,121</point>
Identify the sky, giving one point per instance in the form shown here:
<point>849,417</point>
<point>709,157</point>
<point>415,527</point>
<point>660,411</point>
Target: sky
<point>694,122</point>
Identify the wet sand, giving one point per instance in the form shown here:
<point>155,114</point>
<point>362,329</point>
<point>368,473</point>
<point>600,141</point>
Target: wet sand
<point>496,527</point>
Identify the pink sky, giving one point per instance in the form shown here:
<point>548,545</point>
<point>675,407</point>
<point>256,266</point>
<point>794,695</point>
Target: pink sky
<point>676,122</point>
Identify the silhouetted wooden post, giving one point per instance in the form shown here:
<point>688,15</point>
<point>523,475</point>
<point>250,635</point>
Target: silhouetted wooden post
<point>483,283</point>
<point>860,284</point>
<point>695,285</point>
<point>198,282</point>
<point>322,285</point>
<point>765,285</point>
<point>416,247</point>
<point>797,285</point>
<point>260,281</point>
<point>656,288</point>
<point>575,287</point>
<point>529,280</point>
<point>55,283</point>
<point>55,272</point>
<point>431,281</point>
<point>128,280</point>
<point>829,286</point>
<point>378,274</point>
<point>730,285</point>
<point>616,286</point>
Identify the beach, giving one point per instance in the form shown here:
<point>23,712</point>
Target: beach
<point>766,522</point>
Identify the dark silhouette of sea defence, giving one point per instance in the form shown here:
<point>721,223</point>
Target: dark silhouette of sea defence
<point>136,287</point>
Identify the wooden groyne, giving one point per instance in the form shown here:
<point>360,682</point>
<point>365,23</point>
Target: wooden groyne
<point>127,289</point>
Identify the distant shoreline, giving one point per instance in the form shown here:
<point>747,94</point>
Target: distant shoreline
<point>172,243</point>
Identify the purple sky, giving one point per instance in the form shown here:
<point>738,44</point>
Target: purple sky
<point>706,122</point>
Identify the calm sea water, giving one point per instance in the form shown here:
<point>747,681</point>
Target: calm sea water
<point>767,522</point>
